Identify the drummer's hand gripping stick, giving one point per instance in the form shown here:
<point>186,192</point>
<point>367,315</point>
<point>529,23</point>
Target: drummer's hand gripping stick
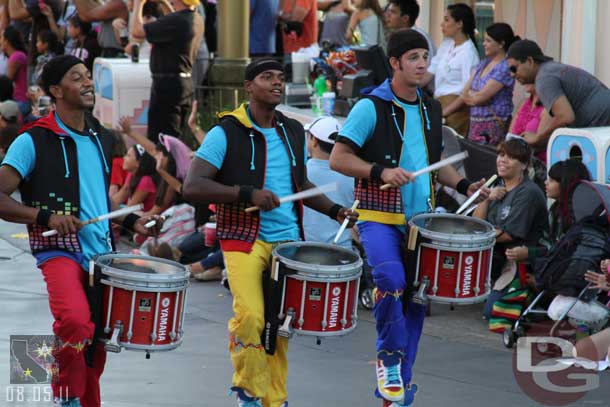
<point>110,215</point>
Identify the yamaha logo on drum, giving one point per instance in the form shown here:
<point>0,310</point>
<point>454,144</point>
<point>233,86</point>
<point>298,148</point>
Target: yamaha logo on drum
<point>467,281</point>
<point>334,307</point>
<point>164,317</point>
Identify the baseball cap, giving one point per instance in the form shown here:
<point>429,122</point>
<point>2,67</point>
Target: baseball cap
<point>325,129</point>
<point>9,110</point>
<point>522,49</point>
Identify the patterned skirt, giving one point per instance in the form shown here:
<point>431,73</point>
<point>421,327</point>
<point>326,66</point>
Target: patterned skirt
<point>488,130</point>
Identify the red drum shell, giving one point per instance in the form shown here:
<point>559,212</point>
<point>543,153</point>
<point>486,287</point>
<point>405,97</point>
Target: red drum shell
<point>455,255</point>
<point>321,287</point>
<point>147,295</point>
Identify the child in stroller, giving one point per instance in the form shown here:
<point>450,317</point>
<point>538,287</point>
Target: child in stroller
<point>560,274</point>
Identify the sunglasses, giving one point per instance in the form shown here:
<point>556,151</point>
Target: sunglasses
<point>513,68</point>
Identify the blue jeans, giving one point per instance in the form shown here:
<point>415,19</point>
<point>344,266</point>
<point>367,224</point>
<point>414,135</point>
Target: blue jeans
<point>397,329</point>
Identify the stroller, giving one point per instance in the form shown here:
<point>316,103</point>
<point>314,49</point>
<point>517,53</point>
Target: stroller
<point>561,272</point>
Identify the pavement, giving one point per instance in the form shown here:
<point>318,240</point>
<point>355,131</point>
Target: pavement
<point>460,363</point>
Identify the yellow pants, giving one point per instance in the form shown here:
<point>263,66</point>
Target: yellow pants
<point>262,375</point>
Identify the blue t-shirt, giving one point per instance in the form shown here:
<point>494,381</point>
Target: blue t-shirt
<point>263,14</point>
<point>279,224</point>
<point>318,226</point>
<point>94,238</point>
<point>360,126</point>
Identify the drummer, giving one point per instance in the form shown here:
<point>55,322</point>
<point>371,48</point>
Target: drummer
<point>388,135</point>
<point>61,167</point>
<point>253,156</point>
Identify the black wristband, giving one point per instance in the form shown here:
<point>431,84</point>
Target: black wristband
<point>130,220</point>
<point>462,186</point>
<point>245,193</point>
<point>43,217</point>
<point>376,171</point>
<point>334,211</point>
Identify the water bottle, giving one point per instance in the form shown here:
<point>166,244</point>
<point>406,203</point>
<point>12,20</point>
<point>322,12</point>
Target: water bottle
<point>328,103</point>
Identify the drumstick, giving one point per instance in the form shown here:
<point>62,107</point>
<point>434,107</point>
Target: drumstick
<point>110,215</point>
<point>476,194</point>
<point>153,222</point>
<point>308,193</point>
<point>449,160</point>
<point>345,222</point>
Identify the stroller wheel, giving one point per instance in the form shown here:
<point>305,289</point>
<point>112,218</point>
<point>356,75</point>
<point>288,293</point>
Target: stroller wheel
<point>366,298</point>
<point>509,338</point>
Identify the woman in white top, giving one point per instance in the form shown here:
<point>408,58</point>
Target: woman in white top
<point>453,64</point>
<point>368,19</point>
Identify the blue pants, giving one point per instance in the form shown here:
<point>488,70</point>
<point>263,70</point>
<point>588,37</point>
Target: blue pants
<point>397,330</point>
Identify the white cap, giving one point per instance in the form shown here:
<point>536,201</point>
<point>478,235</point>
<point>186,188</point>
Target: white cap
<point>324,129</point>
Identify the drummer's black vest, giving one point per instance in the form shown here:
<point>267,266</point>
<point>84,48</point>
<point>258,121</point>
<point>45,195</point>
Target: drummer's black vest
<point>245,164</point>
<point>385,146</point>
<point>54,183</point>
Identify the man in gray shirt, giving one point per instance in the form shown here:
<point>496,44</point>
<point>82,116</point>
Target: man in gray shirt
<point>572,96</point>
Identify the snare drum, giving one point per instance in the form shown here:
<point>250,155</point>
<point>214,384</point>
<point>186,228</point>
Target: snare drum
<point>320,290</point>
<point>454,257</point>
<point>210,234</point>
<point>143,302</point>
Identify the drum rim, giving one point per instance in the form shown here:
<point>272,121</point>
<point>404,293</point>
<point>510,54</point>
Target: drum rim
<point>111,271</point>
<point>316,270</point>
<point>470,238</point>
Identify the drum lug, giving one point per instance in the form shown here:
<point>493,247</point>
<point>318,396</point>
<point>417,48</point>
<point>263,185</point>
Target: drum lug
<point>286,330</point>
<point>113,345</point>
<point>421,297</point>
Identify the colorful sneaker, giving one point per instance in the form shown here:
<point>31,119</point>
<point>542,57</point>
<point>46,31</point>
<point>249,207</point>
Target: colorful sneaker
<point>389,381</point>
<point>244,400</point>
<point>408,401</point>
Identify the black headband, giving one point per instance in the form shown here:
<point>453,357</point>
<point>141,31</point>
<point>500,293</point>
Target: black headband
<point>405,40</point>
<point>54,70</point>
<point>261,66</point>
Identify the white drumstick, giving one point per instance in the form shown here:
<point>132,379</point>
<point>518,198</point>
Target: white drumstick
<point>308,193</point>
<point>449,160</point>
<point>110,215</point>
<point>476,194</point>
<point>345,222</point>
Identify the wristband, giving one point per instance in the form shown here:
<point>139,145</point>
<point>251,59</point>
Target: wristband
<point>334,211</point>
<point>245,193</point>
<point>43,217</point>
<point>462,186</point>
<point>130,220</point>
<point>376,171</point>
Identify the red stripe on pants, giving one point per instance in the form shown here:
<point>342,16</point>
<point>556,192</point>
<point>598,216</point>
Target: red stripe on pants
<point>73,326</point>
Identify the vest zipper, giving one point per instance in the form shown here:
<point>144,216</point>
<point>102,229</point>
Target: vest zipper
<point>294,160</point>
<point>99,146</point>
<point>252,167</point>
<point>63,148</point>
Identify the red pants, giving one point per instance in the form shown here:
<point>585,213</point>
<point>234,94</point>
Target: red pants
<point>73,326</point>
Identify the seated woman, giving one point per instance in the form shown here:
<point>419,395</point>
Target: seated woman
<point>141,181</point>
<point>562,178</point>
<point>517,209</point>
<point>528,119</point>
